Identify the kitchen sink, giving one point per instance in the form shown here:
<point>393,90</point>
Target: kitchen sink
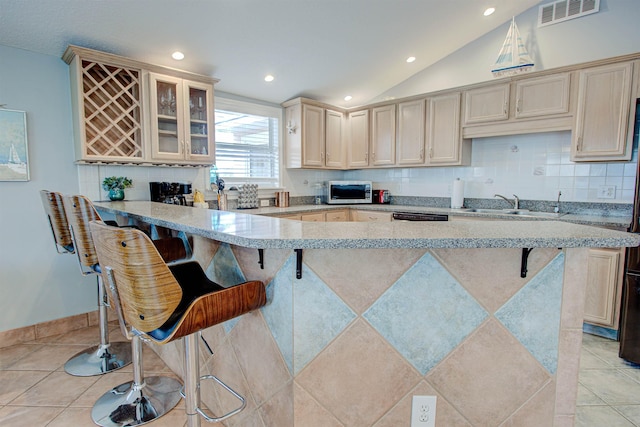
<point>519,212</point>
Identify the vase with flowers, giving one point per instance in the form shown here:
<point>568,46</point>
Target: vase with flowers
<point>115,185</point>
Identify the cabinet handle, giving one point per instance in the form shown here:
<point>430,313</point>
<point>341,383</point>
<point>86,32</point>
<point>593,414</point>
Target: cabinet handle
<point>431,153</point>
<point>421,153</point>
<point>504,108</point>
<point>327,156</point>
<point>578,143</point>
<point>518,103</point>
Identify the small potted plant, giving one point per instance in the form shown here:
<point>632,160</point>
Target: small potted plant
<point>115,185</point>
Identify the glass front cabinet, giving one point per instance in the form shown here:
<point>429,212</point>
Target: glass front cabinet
<point>181,119</point>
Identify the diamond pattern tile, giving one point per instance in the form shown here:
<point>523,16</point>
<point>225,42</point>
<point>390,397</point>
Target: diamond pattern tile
<point>279,310</point>
<point>319,315</point>
<point>416,315</point>
<point>532,315</point>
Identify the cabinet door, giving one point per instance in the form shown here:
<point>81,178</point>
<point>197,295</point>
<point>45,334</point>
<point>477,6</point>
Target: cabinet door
<point>337,216</point>
<point>312,136</point>
<point>313,217</point>
<point>107,106</point>
<point>167,117</point>
<point>486,104</point>
<point>358,144</point>
<point>199,131</point>
<point>602,293</point>
<point>383,135</point>
<point>603,113</point>
<point>542,96</point>
<point>334,147</point>
<point>371,216</point>
<point>411,123</point>
<point>443,130</point>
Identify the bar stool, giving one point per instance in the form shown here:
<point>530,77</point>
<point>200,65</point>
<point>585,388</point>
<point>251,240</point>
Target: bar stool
<point>54,209</point>
<point>107,356</point>
<point>161,303</point>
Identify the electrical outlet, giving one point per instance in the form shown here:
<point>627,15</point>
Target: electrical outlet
<point>423,411</point>
<point>264,202</point>
<point>607,192</point>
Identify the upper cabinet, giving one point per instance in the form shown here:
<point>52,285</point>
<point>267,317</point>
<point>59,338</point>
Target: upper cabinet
<point>181,119</point>
<point>602,119</point>
<point>358,141</point>
<point>445,147</point>
<point>125,111</point>
<point>383,135</point>
<point>411,128</point>
<point>314,137</point>
<point>524,105</point>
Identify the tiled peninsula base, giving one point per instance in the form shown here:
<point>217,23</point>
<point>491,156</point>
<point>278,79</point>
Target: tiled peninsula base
<point>364,330</point>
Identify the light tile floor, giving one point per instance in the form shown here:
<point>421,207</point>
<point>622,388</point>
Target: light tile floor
<point>35,391</point>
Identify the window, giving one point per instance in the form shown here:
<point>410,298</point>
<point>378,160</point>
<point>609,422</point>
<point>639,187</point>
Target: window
<point>247,142</point>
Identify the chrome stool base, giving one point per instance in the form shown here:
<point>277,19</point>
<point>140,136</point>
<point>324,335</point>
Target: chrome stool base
<point>136,405</point>
<point>99,359</point>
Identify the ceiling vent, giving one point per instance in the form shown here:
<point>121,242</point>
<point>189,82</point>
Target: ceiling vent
<point>563,10</point>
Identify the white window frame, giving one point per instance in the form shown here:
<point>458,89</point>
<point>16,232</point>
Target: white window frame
<point>237,106</point>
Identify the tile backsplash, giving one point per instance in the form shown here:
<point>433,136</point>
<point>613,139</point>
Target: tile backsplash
<point>534,166</point>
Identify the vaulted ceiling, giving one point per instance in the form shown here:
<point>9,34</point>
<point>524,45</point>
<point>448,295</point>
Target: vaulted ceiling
<point>324,49</point>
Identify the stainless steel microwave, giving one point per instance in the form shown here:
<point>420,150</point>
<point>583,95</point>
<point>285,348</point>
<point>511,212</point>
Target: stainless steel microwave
<point>348,192</point>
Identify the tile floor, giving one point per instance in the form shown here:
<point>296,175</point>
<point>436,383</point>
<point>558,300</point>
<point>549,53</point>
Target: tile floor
<point>35,391</point>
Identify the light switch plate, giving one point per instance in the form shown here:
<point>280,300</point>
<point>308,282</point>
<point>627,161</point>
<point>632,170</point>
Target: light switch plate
<point>264,202</point>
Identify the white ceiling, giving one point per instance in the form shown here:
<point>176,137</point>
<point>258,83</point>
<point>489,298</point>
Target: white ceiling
<point>323,49</point>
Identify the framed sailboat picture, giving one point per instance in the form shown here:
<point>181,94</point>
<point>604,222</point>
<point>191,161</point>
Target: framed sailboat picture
<point>14,153</point>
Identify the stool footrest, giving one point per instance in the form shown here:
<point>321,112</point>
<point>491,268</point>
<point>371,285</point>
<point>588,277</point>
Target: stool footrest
<point>211,419</point>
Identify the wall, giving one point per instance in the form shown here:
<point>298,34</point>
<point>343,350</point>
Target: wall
<point>37,284</point>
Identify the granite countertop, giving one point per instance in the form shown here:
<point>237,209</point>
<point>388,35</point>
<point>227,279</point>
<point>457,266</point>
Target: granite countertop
<point>255,229</point>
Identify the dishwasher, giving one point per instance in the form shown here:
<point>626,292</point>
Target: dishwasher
<point>419,216</point>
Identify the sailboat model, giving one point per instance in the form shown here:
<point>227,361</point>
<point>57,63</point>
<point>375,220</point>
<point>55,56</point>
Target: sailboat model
<point>513,57</point>
<point>14,161</point>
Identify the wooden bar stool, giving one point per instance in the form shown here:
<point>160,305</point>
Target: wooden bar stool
<point>54,209</point>
<point>107,356</point>
<point>161,303</point>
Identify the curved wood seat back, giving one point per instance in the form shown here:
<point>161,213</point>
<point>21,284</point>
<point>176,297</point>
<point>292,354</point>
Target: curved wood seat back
<point>54,208</point>
<point>80,212</point>
<point>147,290</point>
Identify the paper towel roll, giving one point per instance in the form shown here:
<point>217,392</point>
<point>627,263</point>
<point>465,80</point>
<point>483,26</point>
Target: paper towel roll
<point>457,194</point>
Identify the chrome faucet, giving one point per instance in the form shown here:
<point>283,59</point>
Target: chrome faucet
<point>515,202</point>
<point>556,208</point>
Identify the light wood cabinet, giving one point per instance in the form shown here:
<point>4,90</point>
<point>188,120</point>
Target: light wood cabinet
<point>371,216</point>
<point>444,143</point>
<point>605,272</point>
<point>542,96</point>
<point>486,104</point>
<point>337,215</point>
<point>358,143</point>
<point>603,114</point>
<point>291,216</point>
<point>383,135</point>
<point>181,119</point>
<point>314,137</point>
<point>118,118</point>
<point>107,110</point>
<point>411,129</point>
<point>313,217</point>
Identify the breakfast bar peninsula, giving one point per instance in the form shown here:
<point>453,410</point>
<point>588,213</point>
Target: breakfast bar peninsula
<point>363,316</point>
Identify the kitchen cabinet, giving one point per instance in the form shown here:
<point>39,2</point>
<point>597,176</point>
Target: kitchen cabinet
<point>444,143</point>
<point>383,135</point>
<point>605,273</point>
<point>602,121</point>
<point>370,216</point>
<point>108,109</point>
<point>181,119</point>
<point>542,96</point>
<point>291,216</point>
<point>118,119</point>
<point>314,217</point>
<point>411,131</point>
<point>486,104</point>
<point>314,137</point>
<point>337,215</point>
<point>358,144</point>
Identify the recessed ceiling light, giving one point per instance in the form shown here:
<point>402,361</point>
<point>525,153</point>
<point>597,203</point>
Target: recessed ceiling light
<point>268,78</point>
<point>489,11</point>
<point>348,98</point>
<point>178,56</point>
<point>411,59</point>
